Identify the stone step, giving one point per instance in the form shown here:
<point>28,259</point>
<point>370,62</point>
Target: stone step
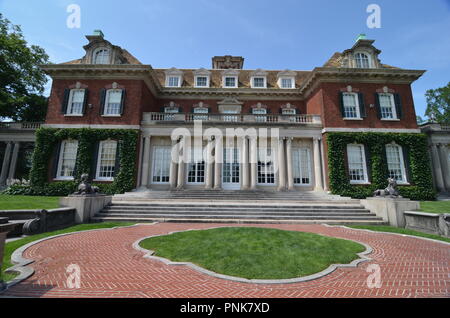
<point>236,206</point>
<point>238,221</point>
<point>221,211</point>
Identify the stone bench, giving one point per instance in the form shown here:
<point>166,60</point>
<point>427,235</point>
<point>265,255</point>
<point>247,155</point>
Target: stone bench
<point>431,223</point>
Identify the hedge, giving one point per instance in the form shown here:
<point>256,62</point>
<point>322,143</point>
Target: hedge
<point>47,140</point>
<point>420,177</point>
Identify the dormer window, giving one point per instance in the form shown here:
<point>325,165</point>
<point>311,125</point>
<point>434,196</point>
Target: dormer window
<point>286,79</point>
<point>362,60</point>
<point>259,82</point>
<point>230,78</point>
<point>202,78</point>
<point>201,81</point>
<point>174,78</point>
<point>101,56</point>
<point>230,81</point>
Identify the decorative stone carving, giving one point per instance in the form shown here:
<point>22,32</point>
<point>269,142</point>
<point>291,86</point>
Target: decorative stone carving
<point>391,191</point>
<point>85,188</point>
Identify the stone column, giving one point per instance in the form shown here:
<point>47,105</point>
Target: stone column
<point>181,163</point>
<point>290,176</point>
<point>209,164</point>
<point>281,165</point>
<point>245,168</point>
<point>317,166</point>
<point>145,173</point>
<point>444,165</point>
<point>173,165</point>
<point>437,170</point>
<point>253,162</point>
<point>5,165</point>
<point>218,159</point>
<point>15,155</point>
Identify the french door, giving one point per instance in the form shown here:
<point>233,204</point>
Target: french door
<point>231,169</point>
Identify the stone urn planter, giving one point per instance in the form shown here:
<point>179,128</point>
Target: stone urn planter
<point>5,227</point>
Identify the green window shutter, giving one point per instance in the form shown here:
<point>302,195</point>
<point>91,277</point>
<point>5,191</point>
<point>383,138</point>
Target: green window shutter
<point>407,163</point>
<point>368,163</point>
<point>398,106</point>
<point>65,101</point>
<point>122,101</point>
<point>102,101</point>
<point>94,162</point>
<point>86,94</point>
<point>362,106</point>
<point>117,162</point>
<point>56,160</point>
<point>377,105</point>
<point>341,100</point>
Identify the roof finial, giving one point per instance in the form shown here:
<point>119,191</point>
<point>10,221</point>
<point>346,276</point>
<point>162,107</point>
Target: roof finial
<point>361,36</point>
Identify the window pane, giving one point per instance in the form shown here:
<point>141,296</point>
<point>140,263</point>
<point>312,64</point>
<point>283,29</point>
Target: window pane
<point>196,167</point>
<point>113,102</point>
<point>301,166</point>
<point>107,159</point>
<point>230,81</point>
<point>258,82</point>
<point>395,164</point>
<point>350,106</point>
<point>202,81</point>
<point>161,164</point>
<point>362,60</point>
<point>76,103</point>
<point>68,158</point>
<point>288,111</point>
<point>386,106</point>
<point>356,163</point>
<point>174,81</point>
<point>266,173</point>
<point>286,83</point>
<point>101,57</point>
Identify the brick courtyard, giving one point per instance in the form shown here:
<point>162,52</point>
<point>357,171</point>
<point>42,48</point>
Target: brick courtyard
<point>111,267</point>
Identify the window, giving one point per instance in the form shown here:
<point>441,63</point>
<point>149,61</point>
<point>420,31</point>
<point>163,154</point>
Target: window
<point>387,106</point>
<point>201,81</point>
<point>287,83</point>
<point>161,164</point>
<point>260,111</point>
<point>106,161</point>
<point>173,81</point>
<point>357,168</point>
<point>101,56</point>
<point>230,82</point>
<point>288,111</point>
<point>200,110</point>
<point>351,105</point>
<point>362,60</point>
<point>301,166</point>
<point>67,159</point>
<point>266,173</point>
<point>170,111</point>
<point>76,101</point>
<point>259,82</point>
<point>113,102</point>
<point>196,167</point>
<point>396,166</point>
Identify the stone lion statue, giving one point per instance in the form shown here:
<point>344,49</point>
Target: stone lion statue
<point>390,191</point>
<point>85,187</point>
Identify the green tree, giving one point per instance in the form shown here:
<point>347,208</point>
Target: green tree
<point>21,80</point>
<point>438,104</point>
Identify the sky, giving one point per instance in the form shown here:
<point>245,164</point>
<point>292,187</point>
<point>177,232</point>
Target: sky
<point>269,34</point>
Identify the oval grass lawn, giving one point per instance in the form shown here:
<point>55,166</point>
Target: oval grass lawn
<point>255,253</point>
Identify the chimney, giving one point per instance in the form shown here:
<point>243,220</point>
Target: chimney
<point>227,62</point>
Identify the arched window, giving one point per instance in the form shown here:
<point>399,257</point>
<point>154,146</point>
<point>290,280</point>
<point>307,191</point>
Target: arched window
<point>362,60</point>
<point>101,56</point>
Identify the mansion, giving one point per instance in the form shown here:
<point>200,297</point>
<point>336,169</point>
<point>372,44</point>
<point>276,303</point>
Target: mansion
<point>351,93</point>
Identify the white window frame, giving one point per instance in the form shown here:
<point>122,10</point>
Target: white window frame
<point>169,77</point>
<point>196,77</point>
<point>358,112</point>
<point>197,158</point>
<point>268,171</point>
<point>364,164</point>
<point>288,111</point>
<point>201,113</point>
<point>356,59</point>
<point>262,112</point>
<point>280,82</point>
<point>61,159</point>
<point>96,52</point>
<point>259,77</point>
<point>108,92</point>
<point>393,107</point>
<point>402,162</point>
<point>99,159</point>
<point>298,165</point>
<point>166,158</point>
<point>224,81</point>
<point>70,103</point>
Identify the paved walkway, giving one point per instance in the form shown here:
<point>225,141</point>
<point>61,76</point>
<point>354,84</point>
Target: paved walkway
<point>110,267</point>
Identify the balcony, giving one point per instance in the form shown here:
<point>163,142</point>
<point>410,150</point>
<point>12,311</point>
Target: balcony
<point>304,119</point>
<point>20,126</point>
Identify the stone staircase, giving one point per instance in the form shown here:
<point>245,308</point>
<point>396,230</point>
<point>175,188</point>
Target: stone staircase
<point>236,207</point>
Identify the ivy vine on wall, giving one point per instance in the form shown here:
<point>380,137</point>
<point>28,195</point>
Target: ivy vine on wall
<point>47,140</point>
<point>419,172</point>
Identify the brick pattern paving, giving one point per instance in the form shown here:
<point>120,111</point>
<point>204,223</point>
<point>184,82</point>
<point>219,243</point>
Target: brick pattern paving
<point>110,267</point>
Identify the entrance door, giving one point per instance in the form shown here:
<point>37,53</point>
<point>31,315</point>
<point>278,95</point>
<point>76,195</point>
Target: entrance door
<point>231,169</point>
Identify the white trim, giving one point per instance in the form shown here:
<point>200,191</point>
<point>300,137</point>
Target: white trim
<point>280,80</point>
<point>99,157</point>
<point>60,159</point>
<point>393,107</point>
<point>236,81</point>
<point>70,103</point>
<point>154,162</point>
<point>207,81</point>
<point>357,106</point>
<point>383,130</point>
<point>363,157</point>
<point>252,83</point>
<point>91,126</point>
<point>404,180</point>
<point>107,97</point>
<point>102,48</point>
